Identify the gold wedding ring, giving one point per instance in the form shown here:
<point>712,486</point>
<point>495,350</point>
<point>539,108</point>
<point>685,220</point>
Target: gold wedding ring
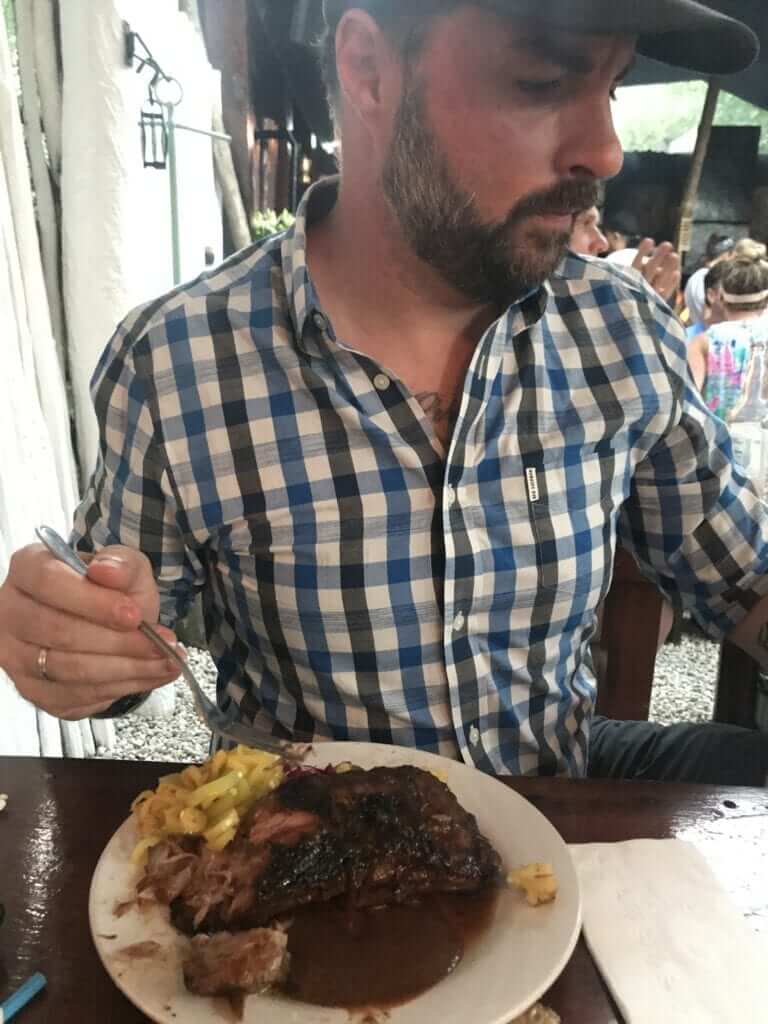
<point>42,664</point>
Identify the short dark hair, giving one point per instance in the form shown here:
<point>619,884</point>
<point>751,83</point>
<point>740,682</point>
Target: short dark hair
<point>404,21</point>
<point>624,222</point>
<point>718,245</point>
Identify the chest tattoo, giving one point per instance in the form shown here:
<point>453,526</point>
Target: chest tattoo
<point>442,410</point>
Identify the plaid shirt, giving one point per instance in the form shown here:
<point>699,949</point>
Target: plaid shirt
<point>361,584</point>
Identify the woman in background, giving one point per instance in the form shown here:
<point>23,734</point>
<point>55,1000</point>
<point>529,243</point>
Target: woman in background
<point>718,358</point>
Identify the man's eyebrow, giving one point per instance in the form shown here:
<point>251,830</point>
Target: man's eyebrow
<point>549,49</point>
<point>574,61</point>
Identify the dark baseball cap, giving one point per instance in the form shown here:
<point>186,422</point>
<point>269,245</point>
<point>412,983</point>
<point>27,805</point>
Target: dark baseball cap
<point>679,32</point>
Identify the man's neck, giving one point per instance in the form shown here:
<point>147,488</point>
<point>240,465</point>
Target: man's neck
<point>377,292</point>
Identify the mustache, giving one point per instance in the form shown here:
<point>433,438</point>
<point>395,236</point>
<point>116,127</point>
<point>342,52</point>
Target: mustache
<point>571,195</point>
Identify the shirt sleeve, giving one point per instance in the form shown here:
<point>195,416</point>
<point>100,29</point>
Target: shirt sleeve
<point>130,499</point>
<point>693,520</point>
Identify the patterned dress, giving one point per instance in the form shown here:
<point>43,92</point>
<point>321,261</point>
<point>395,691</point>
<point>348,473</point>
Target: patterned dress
<point>727,360</point>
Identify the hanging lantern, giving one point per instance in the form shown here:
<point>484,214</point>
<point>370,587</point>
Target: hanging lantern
<point>154,134</point>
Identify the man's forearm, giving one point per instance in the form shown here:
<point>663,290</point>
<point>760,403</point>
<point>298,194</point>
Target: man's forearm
<point>751,634</point>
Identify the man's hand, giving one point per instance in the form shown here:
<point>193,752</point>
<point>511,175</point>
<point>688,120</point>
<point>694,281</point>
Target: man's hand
<point>660,266</point>
<point>88,626</point>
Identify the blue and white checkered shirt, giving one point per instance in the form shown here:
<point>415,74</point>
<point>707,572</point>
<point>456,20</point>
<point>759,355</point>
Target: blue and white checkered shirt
<point>359,584</point>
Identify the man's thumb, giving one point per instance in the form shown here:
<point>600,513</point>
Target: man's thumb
<point>129,571</point>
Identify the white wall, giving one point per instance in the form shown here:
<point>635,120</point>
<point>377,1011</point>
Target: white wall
<point>116,213</point>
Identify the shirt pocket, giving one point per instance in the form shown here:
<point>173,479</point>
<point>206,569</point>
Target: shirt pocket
<point>573,511</point>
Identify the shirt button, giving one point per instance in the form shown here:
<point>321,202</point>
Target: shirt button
<point>474,736</point>
<point>381,382</point>
<point>450,495</point>
<point>319,321</point>
<point>458,622</point>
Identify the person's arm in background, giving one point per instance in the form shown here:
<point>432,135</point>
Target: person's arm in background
<point>660,266</point>
<point>698,353</point>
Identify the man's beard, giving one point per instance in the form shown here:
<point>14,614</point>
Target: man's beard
<point>488,262</point>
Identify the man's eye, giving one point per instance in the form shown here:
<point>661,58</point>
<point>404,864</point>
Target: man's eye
<point>541,89</point>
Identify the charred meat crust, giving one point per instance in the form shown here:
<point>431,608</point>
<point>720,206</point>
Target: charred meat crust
<point>388,835</point>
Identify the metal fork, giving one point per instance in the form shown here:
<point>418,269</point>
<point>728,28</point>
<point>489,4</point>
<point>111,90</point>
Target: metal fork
<point>210,714</point>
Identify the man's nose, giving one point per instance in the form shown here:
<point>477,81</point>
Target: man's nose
<point>599,242</point>
<point>591,145</point>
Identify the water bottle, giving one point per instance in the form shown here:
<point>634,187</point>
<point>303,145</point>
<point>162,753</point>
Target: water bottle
<point>748,421</point>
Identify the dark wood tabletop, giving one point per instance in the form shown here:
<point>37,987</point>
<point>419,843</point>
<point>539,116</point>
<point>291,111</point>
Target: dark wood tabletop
<point>61,813</point>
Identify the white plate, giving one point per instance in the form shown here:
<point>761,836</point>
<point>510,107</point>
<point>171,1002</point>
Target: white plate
<point>504,972</point>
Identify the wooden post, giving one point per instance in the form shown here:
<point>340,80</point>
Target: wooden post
<point>625,655</point>
<point>688,205</point>
<point>737,687</point>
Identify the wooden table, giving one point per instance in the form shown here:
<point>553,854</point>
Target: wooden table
<point>61,814</point>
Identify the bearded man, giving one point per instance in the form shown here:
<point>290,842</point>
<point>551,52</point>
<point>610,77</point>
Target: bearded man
<point>395,448</point>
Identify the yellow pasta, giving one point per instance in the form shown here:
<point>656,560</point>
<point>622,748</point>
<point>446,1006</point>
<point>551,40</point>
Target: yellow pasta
<point>209,799</point>
<point>537,881</point>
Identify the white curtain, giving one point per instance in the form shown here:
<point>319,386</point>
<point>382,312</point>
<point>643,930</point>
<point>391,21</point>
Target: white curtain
<point>37,467</point>
<point>95,242</point>
<point>116,237</point>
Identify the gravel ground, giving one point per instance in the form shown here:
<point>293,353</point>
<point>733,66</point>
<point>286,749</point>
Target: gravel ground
<point>684,681</point>
<point>683,691</point>
<point>177,737</point>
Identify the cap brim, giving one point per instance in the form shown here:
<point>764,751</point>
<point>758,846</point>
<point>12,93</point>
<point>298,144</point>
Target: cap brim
<point>679,32</point>
<point>708,42</point>
<point>679,50</point>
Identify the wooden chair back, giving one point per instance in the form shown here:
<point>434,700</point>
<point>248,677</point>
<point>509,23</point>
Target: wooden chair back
<point>625,654</point>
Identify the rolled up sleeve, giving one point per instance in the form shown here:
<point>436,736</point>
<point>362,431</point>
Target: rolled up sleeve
<point>694,520</point>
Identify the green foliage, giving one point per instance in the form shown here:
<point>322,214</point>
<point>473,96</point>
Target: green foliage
<point>10,23</point>
<point>268,222</point>
<point>653,116</point>
<point>734,111</point>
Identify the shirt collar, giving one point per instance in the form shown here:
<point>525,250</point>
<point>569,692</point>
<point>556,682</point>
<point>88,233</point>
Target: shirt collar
<point>303,303</point>
<point>317,201</point>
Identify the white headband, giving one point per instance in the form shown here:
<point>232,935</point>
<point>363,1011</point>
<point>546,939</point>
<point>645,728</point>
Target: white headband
<point>743,300</point>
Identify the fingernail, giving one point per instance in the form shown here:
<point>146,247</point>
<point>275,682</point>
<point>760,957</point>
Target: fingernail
<point>172,666</point>
<point>181,650</point>
<point>108,560</point>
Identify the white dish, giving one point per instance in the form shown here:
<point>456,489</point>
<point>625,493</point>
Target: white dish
<point>503,973</point>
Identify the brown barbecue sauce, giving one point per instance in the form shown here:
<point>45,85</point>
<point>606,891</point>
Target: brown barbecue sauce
<point>382,957</point>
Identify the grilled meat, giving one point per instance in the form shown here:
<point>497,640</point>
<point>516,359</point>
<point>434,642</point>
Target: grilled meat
<point>225,964</point>
<point>388,835</point>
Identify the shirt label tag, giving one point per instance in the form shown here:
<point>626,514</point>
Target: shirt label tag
<point>532,480</point>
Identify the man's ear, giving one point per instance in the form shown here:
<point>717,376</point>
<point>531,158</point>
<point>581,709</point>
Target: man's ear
<point>363,59</point>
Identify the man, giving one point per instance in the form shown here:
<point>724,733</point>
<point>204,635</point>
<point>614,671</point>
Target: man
<point>660,266</point>
<point>587,237</point>
<point>393,459</point>
<point>622,233</point>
